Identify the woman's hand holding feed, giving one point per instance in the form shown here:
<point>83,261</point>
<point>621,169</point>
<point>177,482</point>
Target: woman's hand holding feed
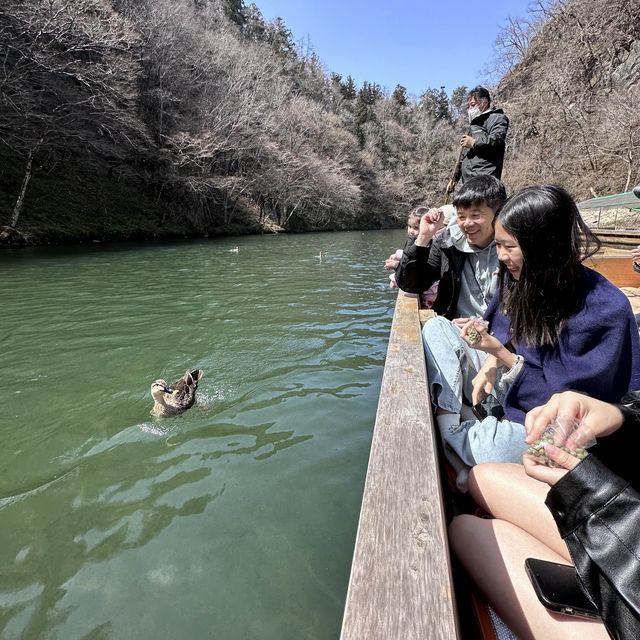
<point>566,410</point>
<point>547,474</point>
<point>596,418</point>
<point>474,332</point>
<point>430,223</point>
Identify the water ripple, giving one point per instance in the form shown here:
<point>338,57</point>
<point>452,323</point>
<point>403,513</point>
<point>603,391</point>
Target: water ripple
<point>248,500</point>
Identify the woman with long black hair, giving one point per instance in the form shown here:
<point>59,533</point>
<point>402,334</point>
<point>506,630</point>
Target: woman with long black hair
<point>554,324</point>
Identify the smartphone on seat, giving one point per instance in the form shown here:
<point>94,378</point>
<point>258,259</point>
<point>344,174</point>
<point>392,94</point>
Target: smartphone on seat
<point>557,587</point>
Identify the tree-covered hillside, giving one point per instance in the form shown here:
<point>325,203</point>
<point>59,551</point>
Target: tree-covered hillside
<point>571,90</point>
<point>137,118</point>
<point>154,118</point>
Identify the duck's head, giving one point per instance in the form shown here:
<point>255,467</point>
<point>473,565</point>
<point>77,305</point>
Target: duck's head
<point>158,388</point>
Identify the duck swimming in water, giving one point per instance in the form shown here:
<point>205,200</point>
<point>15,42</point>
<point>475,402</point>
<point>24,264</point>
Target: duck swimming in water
<point>177,398</point>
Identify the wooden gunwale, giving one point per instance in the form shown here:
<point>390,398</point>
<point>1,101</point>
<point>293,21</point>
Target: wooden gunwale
<point>621,237</point>
<point>618,269</point>
<point>401,583</point>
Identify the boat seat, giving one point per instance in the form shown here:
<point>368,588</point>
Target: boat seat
<point>425,315</point>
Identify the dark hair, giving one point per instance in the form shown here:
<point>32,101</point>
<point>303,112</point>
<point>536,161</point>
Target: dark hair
<point>554,240</point>
<point>481,190</point>
<point>479,93</point>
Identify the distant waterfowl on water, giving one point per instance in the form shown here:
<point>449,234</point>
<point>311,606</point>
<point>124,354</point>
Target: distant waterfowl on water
<point>234,250</point>
<point>320,255</point>
<point>177,398</point>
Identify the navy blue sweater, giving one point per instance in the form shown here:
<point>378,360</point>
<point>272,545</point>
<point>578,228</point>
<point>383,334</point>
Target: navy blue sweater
<point>598,352</point>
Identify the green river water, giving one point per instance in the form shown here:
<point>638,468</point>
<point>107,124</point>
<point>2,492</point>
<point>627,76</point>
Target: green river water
<point>233,521</point>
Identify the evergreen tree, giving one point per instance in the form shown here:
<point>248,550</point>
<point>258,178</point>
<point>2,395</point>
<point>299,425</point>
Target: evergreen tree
<point>435,103</point>
<point>370,92</point>
<point>458,102</point>
<point>364,109</point>
<point>348,89</point>
<point>399,95</point>
<point>234,10</point>
<point>281,39</point>
<point>254,27</point>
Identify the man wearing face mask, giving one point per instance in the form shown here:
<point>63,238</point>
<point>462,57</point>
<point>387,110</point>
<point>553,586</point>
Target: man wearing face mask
<point>483,145</point>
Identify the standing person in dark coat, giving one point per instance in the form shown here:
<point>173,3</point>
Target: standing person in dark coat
<point>484,143</point>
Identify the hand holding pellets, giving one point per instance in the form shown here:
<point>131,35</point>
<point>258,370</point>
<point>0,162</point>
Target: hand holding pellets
<point>473,334</point>
<point>567,434</point>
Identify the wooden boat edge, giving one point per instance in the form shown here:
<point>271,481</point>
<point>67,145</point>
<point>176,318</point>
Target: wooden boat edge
<point>401,583</point>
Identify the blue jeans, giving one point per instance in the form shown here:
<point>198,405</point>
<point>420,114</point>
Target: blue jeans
<point>451,366</point>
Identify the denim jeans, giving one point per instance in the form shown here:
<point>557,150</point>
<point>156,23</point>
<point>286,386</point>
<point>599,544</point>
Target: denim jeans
<point>451,366</point>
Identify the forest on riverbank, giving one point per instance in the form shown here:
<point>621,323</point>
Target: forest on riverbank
<point>123,119</point>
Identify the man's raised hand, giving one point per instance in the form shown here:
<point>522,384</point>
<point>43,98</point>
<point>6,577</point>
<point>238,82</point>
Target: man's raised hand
<point>430,223</point>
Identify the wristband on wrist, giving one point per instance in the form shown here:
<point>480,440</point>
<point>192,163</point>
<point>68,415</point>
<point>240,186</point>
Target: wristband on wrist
<point>509,376</point>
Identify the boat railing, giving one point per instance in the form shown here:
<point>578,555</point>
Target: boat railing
<point>401,585</point>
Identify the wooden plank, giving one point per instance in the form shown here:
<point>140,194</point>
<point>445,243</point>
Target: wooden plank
<point>618,237</point>
<point>425,314</point>
<point>634,297</point>
<point>617,269</point>
<point>401,582</point>
<point>621,233</point>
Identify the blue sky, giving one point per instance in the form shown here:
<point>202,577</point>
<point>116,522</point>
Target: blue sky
<point>417,44</point>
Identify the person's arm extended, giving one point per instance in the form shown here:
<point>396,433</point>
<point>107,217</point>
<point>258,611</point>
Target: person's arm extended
<point>601,418</point>
<point>596,419</point>
<point>596,510</point>
<point>413,273</point>
<point>597,514</point>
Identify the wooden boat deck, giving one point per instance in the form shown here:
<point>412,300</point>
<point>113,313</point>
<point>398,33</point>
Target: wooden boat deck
<point>401,585</point>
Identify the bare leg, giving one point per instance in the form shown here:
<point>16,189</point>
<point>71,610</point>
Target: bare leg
<point>508,493</point>
<point>493,552</point>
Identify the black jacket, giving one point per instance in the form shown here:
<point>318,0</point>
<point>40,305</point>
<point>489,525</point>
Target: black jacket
<point>420,267</point>
<point>489,130</point>
<point>598,516</point>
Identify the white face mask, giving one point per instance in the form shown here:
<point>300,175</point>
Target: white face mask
<point>473,113</point>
